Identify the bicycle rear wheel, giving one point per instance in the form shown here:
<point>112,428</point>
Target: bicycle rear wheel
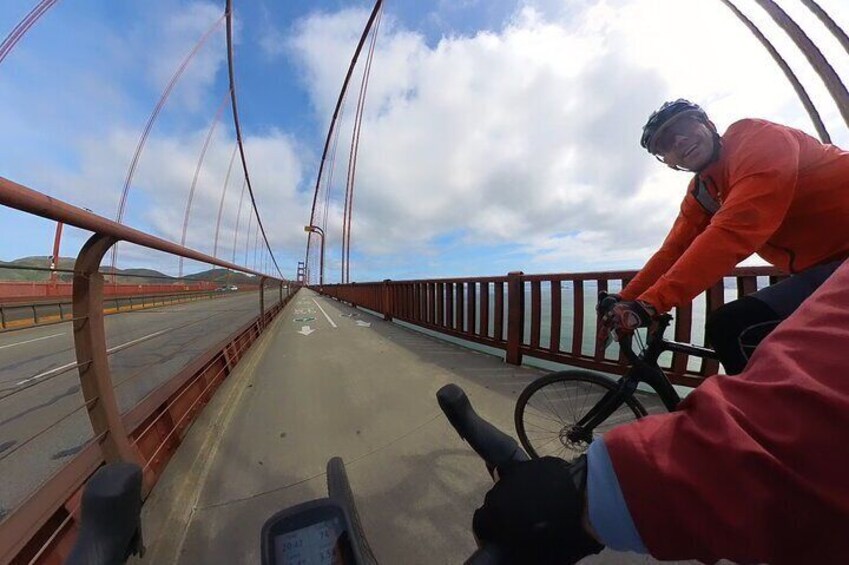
<point>549,408</point>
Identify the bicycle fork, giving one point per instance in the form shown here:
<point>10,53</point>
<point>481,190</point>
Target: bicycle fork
<point>604,408</point>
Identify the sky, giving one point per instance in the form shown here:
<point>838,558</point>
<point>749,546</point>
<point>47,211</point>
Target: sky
<point>497,135</point>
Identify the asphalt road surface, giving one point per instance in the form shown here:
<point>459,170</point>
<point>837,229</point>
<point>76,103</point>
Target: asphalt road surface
<point>42,418</point>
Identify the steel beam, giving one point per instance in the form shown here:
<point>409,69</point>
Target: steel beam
<point>90,346</point>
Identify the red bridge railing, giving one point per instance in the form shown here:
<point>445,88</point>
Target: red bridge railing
<point>549,316</point>
<point>41,526</point>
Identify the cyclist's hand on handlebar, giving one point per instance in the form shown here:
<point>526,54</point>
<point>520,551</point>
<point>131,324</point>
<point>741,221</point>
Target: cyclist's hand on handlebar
<point>535,512</point>
<point>606,302</point>
<point>627,315</point>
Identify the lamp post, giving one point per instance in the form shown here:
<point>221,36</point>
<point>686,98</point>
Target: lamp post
<point>320,232</point>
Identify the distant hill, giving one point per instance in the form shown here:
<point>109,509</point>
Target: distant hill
<point>224,276</point>
<point>139,276</point>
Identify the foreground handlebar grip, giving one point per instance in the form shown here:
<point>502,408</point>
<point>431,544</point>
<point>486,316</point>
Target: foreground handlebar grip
<point>487,555</point>
<point>495,447</point>
<point>110,529</point>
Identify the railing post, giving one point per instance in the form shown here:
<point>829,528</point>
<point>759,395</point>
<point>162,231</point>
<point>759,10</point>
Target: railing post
<point>387,300</point>
<point>515,317</point>
<point>90,346</point>
<point>262,300</point>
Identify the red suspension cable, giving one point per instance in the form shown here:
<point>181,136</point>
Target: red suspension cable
<point>221,203</point>
<point>238,218</point>
<point>197,174</point>
<point>24,26</point>
<point>335,118</point>
<point>119,217</point>
<point>229,13</point>
<point>352,159</point>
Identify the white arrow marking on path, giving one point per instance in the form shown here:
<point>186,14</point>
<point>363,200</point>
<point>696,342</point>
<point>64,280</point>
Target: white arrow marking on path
<point>306,330</point>
<point>363,324</point>
<point>325,313</point>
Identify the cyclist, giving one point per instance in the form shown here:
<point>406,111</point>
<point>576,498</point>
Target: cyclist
<point>759,188</point>
<point>749,469</point>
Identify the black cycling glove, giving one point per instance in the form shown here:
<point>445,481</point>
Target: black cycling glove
<point>534,513</point>
<point>606,301</point>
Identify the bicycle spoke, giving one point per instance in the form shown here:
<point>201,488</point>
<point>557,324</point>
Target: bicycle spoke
<point>583,405</point>
<point>542,417</point>
<point>546,443</point>
<point>556,414</point>
<point>558,405</point>
<point>544,429</point>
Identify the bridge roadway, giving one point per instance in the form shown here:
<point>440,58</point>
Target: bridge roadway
<point>152,345</point>
<point>363,392</point>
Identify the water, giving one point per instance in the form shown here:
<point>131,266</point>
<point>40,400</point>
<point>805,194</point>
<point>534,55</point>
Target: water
<point>567,319</point>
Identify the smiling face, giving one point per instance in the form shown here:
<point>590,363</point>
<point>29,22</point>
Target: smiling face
<point>685,142</point>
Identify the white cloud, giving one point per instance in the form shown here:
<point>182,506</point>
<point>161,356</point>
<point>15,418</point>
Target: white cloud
<point>523,136</point>
<point>529,134</point>
<point>171,42</point>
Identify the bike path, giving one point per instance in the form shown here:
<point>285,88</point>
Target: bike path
<point>329,380</point>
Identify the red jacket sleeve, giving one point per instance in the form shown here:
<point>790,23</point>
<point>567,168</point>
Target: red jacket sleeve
<point>763,177</point>
<point>690,222</point>
<point>752,468</point>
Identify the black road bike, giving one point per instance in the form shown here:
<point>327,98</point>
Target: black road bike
<point>561,413</point>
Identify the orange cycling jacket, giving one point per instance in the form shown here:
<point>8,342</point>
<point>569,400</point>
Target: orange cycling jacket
<point>774,191</point>
<point>752,468</point>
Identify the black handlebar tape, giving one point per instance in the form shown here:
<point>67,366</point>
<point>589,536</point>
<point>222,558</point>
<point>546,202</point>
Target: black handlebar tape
<point>495,447</point>
<point>110,529</point>
<point>487,555</point>
<point>607,303</point>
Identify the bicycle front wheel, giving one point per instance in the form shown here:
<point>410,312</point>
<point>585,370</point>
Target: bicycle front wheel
<point>549,409</point>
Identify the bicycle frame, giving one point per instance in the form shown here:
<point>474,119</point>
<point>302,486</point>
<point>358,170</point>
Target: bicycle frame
<point>644,369</point>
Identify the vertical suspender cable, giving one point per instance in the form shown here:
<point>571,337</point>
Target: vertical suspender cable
<point>221,203</point>
<point>352,159</point>
<point>191,198</point>
<point>812,53</point>
<point>24,26</point>
<point>832,26</point>
<point>238,218</point>
<point>131,171</point>
<point>788,72</point>
<point>229,13</point>
<point>334,119</point>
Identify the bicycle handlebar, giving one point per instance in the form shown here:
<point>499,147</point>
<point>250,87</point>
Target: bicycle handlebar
<point>110,528</point>
<point>498,450</point>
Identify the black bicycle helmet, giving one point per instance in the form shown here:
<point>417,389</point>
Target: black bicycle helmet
<point>665,113</point>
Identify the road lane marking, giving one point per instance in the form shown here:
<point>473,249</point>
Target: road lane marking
<point>110,350</point>
<point>137,340</point>
<point>363,324</point>
<point>325,313</point>
<point>46,373</point>
<point>30,340</point>
<point>306,330</point>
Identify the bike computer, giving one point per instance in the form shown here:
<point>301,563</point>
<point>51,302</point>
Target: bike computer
<point>317,532</point>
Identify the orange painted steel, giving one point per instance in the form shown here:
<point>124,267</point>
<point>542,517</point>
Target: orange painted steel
<point>36,290</point>
<point>46,523</point>
<point>41,529</point>
<point>449,306</point>
<point>25,199</point>
<point>90,345</point>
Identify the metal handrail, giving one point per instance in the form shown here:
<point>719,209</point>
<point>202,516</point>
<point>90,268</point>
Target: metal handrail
<point>460,307</point>
<point>117,436</point>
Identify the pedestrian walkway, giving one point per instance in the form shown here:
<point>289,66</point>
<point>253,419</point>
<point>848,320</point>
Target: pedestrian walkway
<point>330,380</point>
